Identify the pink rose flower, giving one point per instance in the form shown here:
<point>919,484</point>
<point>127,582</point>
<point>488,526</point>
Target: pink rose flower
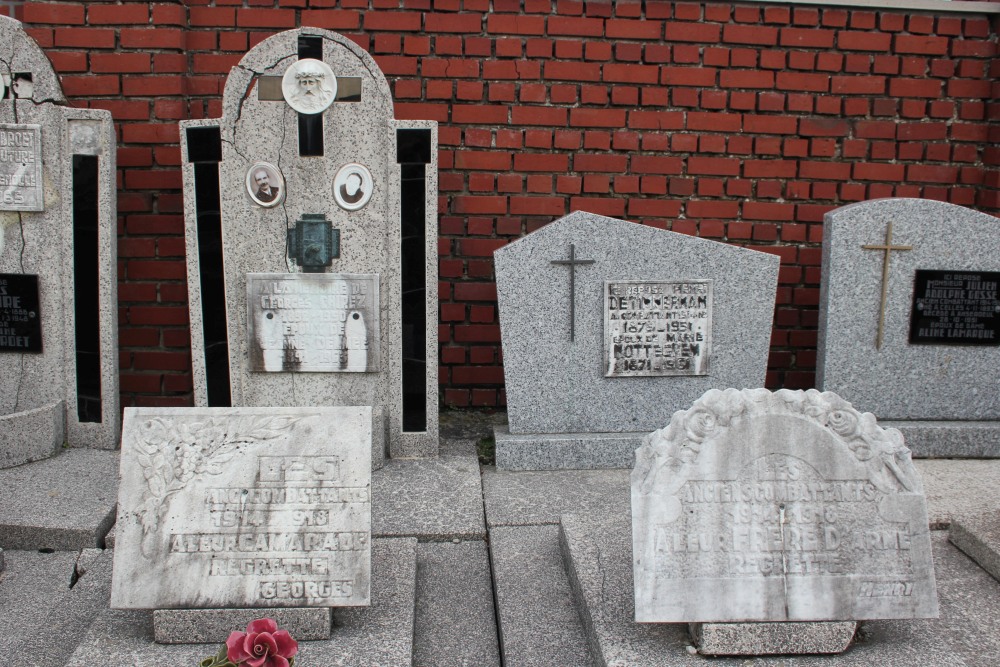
<point>262,645</point>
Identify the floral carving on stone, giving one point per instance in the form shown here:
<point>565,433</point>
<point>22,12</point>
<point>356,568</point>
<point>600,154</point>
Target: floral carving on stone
<point>666,454</point>
<point>172,452</point>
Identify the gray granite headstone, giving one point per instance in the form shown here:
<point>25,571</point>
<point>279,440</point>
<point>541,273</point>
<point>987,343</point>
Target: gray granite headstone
<point>55,253</point>
<point>608,327</point>
<point>310,185</point>
<point>244,507</point>
<point>935,372</point>
<point>785,506</point>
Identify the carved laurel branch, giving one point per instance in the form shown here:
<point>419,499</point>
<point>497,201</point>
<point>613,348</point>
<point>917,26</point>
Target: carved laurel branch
<point>171,452</point>
<point>669,450</point>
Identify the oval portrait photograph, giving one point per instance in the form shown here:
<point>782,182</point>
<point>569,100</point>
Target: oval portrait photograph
<point>265,184</point>
<point>309,86</point>
<point>352,186</point>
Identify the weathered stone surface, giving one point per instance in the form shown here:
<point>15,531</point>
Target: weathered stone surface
<point>902,380</point>
<point>356,129</point>
<point>205,626</point>
<point>957,488</point>
<point>979,537</point>
<point>564,451</point>
<point>787,638</point>
<point>375,636</point>
<point>435,499</point>
<point>37,238</point>
<point>538,624</point>
<point>455,621</point>
<point>540,497</point>
<point>598,553</point>
<point>553,319</point>
<point>62,503</point>
<point>210,498</point>
<point>949,439</point>
<point>791,506</point>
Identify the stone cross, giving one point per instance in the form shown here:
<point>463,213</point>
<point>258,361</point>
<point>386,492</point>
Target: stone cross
<point>572,263</point>
<point>887,247</point>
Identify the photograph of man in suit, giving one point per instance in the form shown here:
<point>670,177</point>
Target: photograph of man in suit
<point>265,184</point>
<point>265,192</point>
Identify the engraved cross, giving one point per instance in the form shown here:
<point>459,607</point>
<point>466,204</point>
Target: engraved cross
<point>572,263</point>
<point>887,247</point>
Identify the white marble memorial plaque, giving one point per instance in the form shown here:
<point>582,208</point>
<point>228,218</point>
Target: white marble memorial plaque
<point>313,323</point>
<point>20,167</point>
<point>244,507</point>
<point>657,328</point>
<point>791,506</point>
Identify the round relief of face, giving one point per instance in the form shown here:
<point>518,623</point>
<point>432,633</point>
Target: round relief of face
<point>309,86</point>
<point>265,184</point>
<point>353,186</point>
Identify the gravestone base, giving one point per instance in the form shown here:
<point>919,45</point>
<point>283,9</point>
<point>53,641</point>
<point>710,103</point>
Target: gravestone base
<point>950,439</point>
<point>204,626</point>
<point>32,435</point>
<point>978,536</point>
<point>791,638</point>
<point>566,451</point>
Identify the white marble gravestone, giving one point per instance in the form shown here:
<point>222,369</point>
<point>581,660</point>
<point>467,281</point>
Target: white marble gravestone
<point>58,279</point>
<point>912,333</point>
<point>314,187</point>
<point>785,506</point>
<point>609,326</point>
<point>244,507</point>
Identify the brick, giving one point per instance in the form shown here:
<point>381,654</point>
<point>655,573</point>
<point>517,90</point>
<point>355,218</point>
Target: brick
<point>770,169</point>
<point>878,172</point>
<point>480,247</point>
<point>692,32</point>
<point>656,120</point>
<point>55,13</point>
<point>631,73</point>
<point>205,17</point>
<point>572,71</point>
<point>485,160</point>
<point>152,38</point>
<point>614,208</point>
<point>547,162</point>
<point>816,83</point>
<point>713,166</point>
<point>688,76</point>
<point>393,21</point>
<point>729,78</point>
<point>717,122</point>
<point>854,40</point>
<point>807,38</point>
<point>97,38</point>
<point>331,19</point>
<point>694,208</point>
<point>859,85</point>
<point>600,162</point>
<point>655,164</point>
<point>582,27</point>
<point>629,29</point>
<point>770,124</point>
<point>772,211</point>
<point>524,115</point>
<point>453,23</point>
<point>901,87</point>
<point>596,117</point>
<point>921,44</point>
<point>124,14</point>
<point>750,34</point>
<point>823,127</point>
<point>922,173</point>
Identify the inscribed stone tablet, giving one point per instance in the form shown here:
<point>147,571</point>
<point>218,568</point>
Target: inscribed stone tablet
<point>313,323</point>
<point>244,507</point>
<point>20,318</point>
<point>792,506</point>
<point>656,328</point>
<point>955,308</point>
<point>20,167</point>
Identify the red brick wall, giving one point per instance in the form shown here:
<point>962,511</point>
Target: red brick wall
<point>737,122</point>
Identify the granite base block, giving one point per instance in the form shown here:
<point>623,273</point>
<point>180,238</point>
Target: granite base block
<point>950,439</point>
<point>64,503</point>
<point>979,538</point>
<point>553,451</point>
<point>208,626</point>
<point>772,638</point>
<point>32,435</point>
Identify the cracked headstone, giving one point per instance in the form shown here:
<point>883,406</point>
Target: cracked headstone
<point>791,506</point>
<point>58,280</point>
<point>311,228</point>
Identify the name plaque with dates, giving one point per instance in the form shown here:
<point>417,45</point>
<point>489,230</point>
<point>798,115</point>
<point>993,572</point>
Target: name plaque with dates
<point>955,308</point>
<point>20,319</point>
<point>656,328</point>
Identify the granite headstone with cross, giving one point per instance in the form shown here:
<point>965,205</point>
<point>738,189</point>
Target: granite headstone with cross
<point>311,231</point>
<point>608,327</point>
<point>910,321</point>
<point>58,303</point>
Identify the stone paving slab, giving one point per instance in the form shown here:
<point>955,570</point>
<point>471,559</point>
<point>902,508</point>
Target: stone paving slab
<point>958,488</point>
<point>375,636</point>
<point>599,561</point>
<point>555,451</point>
<point>455,623</point>
<point>958,439</point>
<point>539,625</point>
<point>66,503</point>
<point>979,537</point>
<point>431,499</point>
<point>41,617</point>
<point>540,497</point>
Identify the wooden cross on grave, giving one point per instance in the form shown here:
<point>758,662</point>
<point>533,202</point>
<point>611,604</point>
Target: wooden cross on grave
<point>572,263</point>
<point>310,125</point>
<point>886,248</point>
